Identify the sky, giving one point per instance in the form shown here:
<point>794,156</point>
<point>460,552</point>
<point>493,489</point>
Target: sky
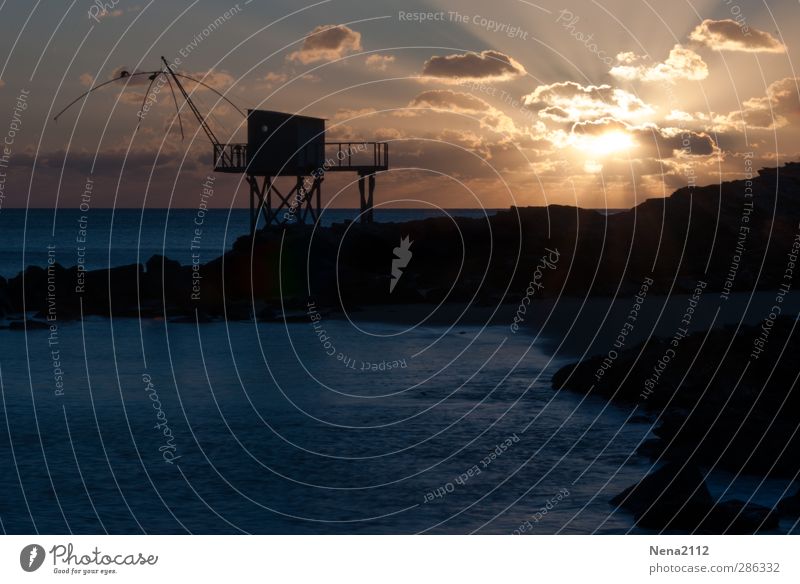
<point>596,104</point>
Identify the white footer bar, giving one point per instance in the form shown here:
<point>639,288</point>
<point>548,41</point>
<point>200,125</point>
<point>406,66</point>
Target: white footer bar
<point>397,559</point>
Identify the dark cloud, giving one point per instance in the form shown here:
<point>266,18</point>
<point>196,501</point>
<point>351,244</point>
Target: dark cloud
<point>445,99</point>
<point>729,35</point>
<point>665,143</point>
<point>652,141</point>
<point>327,42</point>
<point>780,107</point>
<point>464,103</point>
<point>486,66</point>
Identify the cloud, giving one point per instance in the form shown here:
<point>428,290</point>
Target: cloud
<point>682,63</point>
<point>106,163</point>
<point>349,114</point>
<point>728,35</point>
<point>644,142</point>
<point>445,100</point>
<point>627,58</point>
<point>465,139</point>
<point>219,80</point>
<point>341,132</point>
<point>676,115</point>
<point>655,142</point>
<point>483,66</point>
<point>678,142</point>
<point>778,108</point>
<point>327,42</point>
<point>379,62</point>
<point>275,78</point>
<point>569,102</point>
<point>133,87</point>
<point>388,134</point>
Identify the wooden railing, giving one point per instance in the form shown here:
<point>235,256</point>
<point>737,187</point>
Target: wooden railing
<point>357,155</point>
<point>230,157</point>
<point>339,156</point>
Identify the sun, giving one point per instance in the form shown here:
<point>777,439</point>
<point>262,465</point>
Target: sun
<point>606,143</point>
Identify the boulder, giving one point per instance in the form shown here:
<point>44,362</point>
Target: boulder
<point>737,517</point>
<point>675,497</point>
<point>789,506</point>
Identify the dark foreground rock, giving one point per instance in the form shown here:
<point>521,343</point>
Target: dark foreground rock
<point>736,517</point>
<point>727,399</point>
<point>672,498</point>
<point>676,498</point>
<point>719,405</point>
<point>790,506</point>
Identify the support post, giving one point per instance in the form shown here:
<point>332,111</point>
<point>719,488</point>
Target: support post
<point>371,201</point>
<point>252,207</point>
<point>268,204</point>
<point>257,194</point>
<point>312,200</point>
<point>299,202</point>
<point>366,188</point>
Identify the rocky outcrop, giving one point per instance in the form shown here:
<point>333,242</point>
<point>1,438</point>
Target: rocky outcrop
<point>676,498</point>
<point>718,405</point>
<point>735,517</point>
<point>790,506</point>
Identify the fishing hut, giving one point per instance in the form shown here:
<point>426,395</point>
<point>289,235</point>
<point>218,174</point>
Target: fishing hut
<point>278,145</point>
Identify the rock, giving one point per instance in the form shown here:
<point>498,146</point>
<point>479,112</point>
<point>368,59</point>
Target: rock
<point>29,324</point>
<point>159,263</point>
<point>790,506</point>
<point>297,316</point>
<point>675,497</point>
<point>651,448</point>
<point>5,303</point>
<point>716,402</point>
<point>267,314</point>
<point>737,517</point>
<point>238,311</point>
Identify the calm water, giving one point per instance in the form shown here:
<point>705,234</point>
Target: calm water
<point>273,441</point>
<point>126,236</point>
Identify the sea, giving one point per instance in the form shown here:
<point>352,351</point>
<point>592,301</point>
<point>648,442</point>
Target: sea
<point>318,425</point>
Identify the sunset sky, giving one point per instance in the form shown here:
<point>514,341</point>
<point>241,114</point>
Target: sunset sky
<point>600,104</point>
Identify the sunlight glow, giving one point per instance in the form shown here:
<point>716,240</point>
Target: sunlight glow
<point>592,167</point>
<point>607,143</point>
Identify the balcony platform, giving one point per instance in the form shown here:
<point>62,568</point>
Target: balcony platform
<point>364,158</point>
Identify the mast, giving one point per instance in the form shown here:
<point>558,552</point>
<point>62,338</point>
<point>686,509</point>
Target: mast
<point>200,119</point>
